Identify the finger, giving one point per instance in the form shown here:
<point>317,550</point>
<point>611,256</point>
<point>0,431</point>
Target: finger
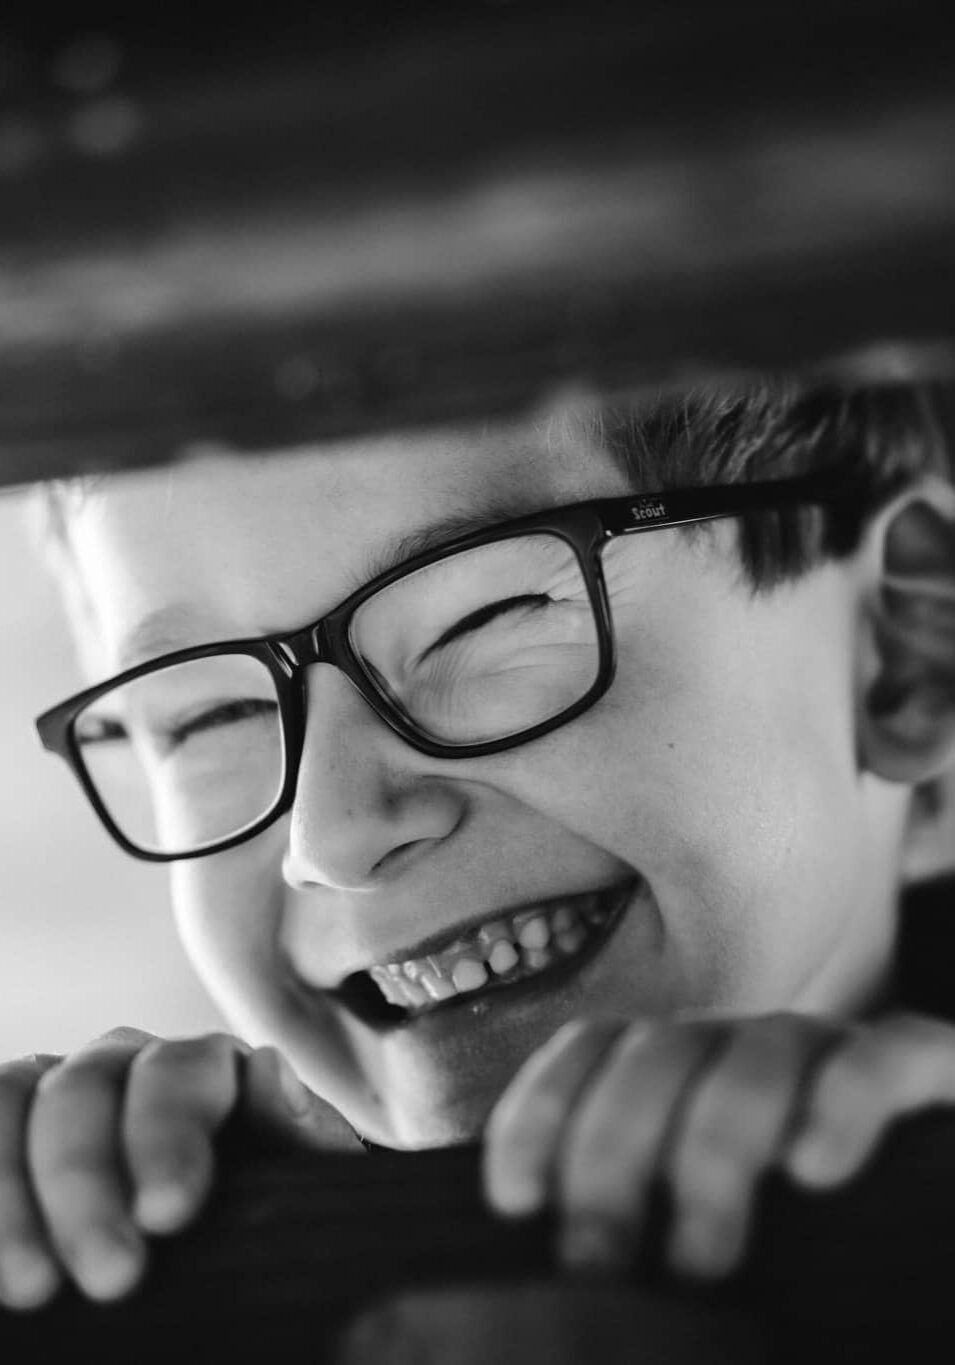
<point>897,1067</point>
<point>612,1148</point>
<point>178,1093</point>
<point>28,1271</point>
<point>732,1126</point>
<point>275,1099</point>
<point>524,1132</point>
<point>76,1165</point>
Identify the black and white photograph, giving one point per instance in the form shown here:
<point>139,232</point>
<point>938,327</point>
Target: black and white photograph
<point>477,683</point>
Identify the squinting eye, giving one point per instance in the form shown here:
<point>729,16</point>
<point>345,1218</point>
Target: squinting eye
<point>226,713</point>
<point>476,620</point>
<point>99,730</point>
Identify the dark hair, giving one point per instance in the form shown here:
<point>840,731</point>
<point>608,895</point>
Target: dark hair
<point>878,437</point>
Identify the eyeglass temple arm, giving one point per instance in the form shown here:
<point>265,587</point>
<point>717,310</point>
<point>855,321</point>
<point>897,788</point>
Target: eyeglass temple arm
<point>677,507</point>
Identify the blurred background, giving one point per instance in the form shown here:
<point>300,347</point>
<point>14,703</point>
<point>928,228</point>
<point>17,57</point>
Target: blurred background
<point>86,937</point>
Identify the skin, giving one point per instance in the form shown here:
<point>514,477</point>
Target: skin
<point>724,767</point>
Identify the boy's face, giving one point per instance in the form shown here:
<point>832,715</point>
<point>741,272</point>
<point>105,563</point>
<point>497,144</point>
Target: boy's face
<point>715,787</point>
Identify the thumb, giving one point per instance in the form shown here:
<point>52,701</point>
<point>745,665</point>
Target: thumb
<point>277,1102</point>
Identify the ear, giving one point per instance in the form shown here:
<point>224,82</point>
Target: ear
<point>907,707</point>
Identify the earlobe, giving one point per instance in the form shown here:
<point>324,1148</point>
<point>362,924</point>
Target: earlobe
<point>907,703</point>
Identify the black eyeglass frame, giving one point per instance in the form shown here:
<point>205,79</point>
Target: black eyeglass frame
<point>585,526</point>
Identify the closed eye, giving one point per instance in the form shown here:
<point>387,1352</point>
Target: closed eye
<point>100,730</point>
<point>476,620</point>
<point>225,713</point>
<point>107,730</point>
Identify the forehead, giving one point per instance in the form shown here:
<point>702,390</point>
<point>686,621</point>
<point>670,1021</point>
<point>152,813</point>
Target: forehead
<point>223,544</point>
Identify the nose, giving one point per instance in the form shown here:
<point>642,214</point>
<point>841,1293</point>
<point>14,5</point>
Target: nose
<point>366,804</point>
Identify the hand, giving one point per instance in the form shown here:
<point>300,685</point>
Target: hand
<point>100,1149</point>
<point>607,1108</point>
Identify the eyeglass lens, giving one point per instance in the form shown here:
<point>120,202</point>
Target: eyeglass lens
<point>484,644</point>
<point>188,755</point>
<point>477,647</point>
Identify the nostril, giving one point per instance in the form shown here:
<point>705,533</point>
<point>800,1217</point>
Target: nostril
<point>396,857</point>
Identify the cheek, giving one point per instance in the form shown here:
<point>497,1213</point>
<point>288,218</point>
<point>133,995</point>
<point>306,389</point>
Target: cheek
<point>732,788</point>
<point>228,911</point>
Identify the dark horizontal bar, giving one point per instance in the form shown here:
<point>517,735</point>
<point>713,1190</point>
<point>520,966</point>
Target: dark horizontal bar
<point>342,228</point>
<point>294,1247</point>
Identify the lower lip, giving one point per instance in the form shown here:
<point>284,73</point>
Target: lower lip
<point>384,1018</point>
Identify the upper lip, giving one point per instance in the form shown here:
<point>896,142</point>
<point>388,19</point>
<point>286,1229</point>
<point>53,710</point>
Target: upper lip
<point>444,938</point>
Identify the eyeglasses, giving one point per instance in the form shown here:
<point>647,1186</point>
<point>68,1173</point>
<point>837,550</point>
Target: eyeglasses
<point>490,641</point>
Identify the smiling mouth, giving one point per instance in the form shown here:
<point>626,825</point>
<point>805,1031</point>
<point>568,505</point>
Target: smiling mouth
<point>549,940</point>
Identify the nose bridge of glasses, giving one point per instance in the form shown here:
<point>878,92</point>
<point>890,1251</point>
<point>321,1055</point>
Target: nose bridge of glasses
<point>313,645</point>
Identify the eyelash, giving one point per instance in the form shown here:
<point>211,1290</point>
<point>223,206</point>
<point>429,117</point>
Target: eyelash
<point>484,616</point>
<point>112,730</point>
<point>234,710</point>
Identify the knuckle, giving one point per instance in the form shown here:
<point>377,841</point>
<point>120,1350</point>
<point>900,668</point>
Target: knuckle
<point>78,1079</point>
<point>125,1035</point>
<point>19,1078</point>
<point>189,1055</point>
<point>41,1061</point>
<point>168,1054</point>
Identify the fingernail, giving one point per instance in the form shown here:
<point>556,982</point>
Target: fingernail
<point>28,1277</point>
<point>593,1244</point>
<point>296,1094</point>
<point>108,1263</point>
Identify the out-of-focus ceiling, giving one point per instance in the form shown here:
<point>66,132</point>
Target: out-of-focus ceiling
<point>316,225</point>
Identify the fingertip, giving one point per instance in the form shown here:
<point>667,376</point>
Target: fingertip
<point>109,1263</point>
<point>705,1247</point>
<point>172,1181</point>
<point>818,1164</point>
<point>164,1206</point>
<point>29,1278</point>
<point>804,1162</point>
<point>512,1196</point>
<point>594,1246</point>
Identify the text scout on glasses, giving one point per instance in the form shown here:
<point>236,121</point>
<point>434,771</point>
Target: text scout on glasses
<point>556,785</point>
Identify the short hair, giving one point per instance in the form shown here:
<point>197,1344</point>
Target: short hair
<point>877,438</point>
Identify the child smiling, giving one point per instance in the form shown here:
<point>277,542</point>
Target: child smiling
<point>548,784</point>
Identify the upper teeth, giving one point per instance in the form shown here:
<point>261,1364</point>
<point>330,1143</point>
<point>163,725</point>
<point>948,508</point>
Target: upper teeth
<point>519,944</point>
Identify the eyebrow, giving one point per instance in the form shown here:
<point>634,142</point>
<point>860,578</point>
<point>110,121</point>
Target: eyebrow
<point>492,511</point>
<point>163,631</point>
<point>181,624</point>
